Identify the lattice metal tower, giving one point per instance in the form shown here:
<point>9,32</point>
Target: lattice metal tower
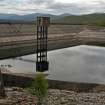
<point>42,32</point>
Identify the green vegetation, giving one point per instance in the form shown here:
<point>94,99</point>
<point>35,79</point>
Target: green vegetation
<point>39,87</point>
<point>90,19</point>
<point>100,23</point>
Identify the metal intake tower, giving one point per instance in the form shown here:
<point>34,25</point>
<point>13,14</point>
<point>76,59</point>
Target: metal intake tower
<point>42,34</point>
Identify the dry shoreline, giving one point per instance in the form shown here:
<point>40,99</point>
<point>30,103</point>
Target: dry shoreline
<point>23,80</point>
<point>60,92</point>
<point>19,96</point>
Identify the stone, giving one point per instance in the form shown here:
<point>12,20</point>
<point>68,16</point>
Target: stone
<point>55,97</point>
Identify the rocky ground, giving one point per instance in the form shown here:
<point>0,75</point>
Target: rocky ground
<point>19,96</point>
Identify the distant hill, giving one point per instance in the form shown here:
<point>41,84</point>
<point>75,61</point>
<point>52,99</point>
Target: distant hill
<point>96,18</point>
<point>28,17</point>
<point>83,19</point>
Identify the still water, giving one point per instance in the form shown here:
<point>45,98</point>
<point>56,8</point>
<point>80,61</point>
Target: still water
<point>79,64</point>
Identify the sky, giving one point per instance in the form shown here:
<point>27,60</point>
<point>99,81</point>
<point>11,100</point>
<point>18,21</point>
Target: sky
<point>57,7</point>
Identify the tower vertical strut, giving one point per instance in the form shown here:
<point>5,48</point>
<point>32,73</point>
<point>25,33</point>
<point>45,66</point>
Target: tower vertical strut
<point>42,34</point>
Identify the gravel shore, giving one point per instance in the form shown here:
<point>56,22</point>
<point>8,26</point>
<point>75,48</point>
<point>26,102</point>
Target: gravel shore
<point>19,96</point>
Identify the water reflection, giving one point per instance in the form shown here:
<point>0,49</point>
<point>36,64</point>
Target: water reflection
<point>80,64</point>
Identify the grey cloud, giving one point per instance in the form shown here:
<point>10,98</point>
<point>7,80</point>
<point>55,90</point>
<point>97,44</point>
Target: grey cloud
<point>100,1</point>
<point>50,6</point>
<point>78,8</point>
<point>40,1</point>
<point>1,5</point>
<point>69,7</point>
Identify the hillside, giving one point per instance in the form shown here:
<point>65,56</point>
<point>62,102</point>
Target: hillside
<point>90,19</point>
<point>28,17</point>
<point>98,19</point>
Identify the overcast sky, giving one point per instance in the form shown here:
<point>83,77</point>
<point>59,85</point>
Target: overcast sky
<point>52,6</point>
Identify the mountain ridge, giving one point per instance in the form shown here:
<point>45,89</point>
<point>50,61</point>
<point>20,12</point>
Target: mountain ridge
<point>95,18</point>
<point>29,17</point>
